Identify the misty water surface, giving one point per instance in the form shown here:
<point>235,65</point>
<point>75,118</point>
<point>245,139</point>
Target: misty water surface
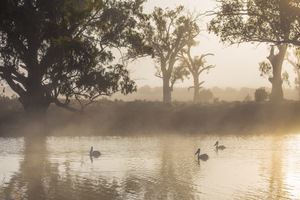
<point>154,167</point>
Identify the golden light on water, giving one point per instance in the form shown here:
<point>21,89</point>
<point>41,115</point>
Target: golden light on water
<point>292,162</point>
<point>256,167</point>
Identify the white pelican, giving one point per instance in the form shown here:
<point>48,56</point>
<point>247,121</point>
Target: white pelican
<point>95,154</point>
<point>221,147</point>
<point>203,157</point>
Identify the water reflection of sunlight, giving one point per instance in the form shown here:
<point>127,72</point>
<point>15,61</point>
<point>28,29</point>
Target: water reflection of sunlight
<point>121,158</point>
<point>256,167</point>
<point>291,167</point>
<point>228,174</point>
<point>10,156</point>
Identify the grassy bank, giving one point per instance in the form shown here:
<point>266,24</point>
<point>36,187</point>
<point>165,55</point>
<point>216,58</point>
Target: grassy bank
<point>143,117</point>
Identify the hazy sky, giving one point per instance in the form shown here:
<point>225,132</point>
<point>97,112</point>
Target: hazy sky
<point>236,66</point>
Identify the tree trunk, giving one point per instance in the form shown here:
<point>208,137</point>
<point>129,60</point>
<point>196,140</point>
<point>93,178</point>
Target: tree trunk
<point>34,100</point>
<point>166,90</point>
<point>276,81</point>
<point>277,91</point>
<point>298,82</point>
<point>196,88</point>
<point>33,105</point>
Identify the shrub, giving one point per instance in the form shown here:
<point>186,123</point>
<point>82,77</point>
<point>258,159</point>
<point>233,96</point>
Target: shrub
<point>261,95</point>
<point>206,95</point>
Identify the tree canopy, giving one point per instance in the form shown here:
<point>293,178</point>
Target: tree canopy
<point>269,21</point>
<point>272,21</point>
<point>54,50</point>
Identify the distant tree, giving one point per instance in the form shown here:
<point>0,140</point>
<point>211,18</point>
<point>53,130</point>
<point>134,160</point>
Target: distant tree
<point>261,95</point>
<point>145,89</point>
<point>168,32</point>
<point>52,51</point>
<point>247,98</point>
<point>179,73</point>
<point>270,21</point>
<point>196,65</point>
<point>206,95</point>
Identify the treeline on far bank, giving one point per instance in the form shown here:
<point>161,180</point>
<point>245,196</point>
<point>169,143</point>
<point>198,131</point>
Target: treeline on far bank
<point>152,117</point>
<point>216,93</point>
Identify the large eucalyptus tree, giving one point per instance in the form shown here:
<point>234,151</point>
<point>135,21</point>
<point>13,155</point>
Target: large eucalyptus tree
<point>269,21</point>
<point>55,50</point>
<point>168,32</point>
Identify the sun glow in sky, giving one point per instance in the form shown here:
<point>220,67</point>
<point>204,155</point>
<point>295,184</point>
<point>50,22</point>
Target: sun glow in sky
<point>236,66</point>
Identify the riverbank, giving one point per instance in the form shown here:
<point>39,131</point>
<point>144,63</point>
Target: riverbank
<point>146,117</point>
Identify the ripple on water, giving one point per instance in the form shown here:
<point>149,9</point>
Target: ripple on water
<point>156,167</point>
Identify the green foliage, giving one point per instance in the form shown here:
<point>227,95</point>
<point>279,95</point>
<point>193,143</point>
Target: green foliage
<point>261,95</point>
<point>265,69</point>
<point>272,21</point>
<point>54,48</point>
<point>179,74</point>
<point>285,78</point>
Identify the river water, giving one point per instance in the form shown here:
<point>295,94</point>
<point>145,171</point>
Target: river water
<point>153,167</point>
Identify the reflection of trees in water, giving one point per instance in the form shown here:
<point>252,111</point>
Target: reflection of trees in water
<point>164,183</point>
<point>14,189</point>
<point>172,176</point>
<point>38,179</point>
<point>28,183</point>
<point>34,166</point>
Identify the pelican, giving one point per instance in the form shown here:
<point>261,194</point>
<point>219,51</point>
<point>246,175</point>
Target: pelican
<point>221,147</point>
<point>203,157</point>
<point>95,154</point>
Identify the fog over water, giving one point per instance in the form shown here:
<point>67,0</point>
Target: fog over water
<point>150,167</point>
<point>148,152</point>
